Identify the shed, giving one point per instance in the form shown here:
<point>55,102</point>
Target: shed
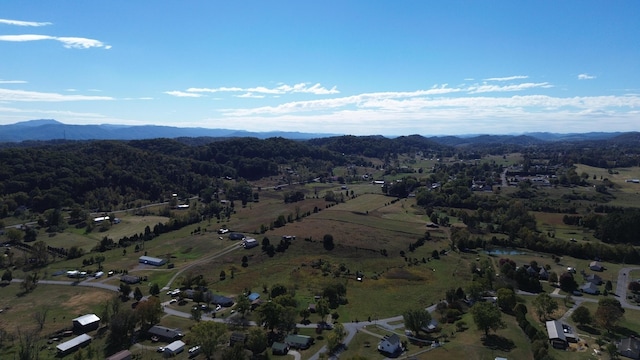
<point>629,347</point>
<point>279,348</point>
<point>74,344</point>
<point>86,323</point>
<point>151,261</point>
<point>236,236</point>
<point>174,348</point>
<point>253,296</point>
<point>121,355</point>
<point>556,334</point>
<point>250,243</point>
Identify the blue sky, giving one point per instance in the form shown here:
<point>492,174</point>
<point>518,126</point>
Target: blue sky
<point>348,67</point>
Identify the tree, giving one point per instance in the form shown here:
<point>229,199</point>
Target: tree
<point>608,313</point>
<point>327,242</point>
<point>148,313</point>
<point>416,319</point>
<point>30,282</point>
<point>121,328</point>
<point>14,235</point>
<point>322,308</point>
<point>40,316</point>
<point>236,352</point>
<point>257,340</point>
<point>567,282</point>
<point>99,259</point>
<point>487,317</point>
<point>269,314</point>
<point>7,276</point>
<point>154,290</point>
<point>208,335</point>
<point>125,290</point>
<point>223,275</point>
<point>336,336</point>
<point>137,294</point>
<point>40,253</point>
<point>506,299</point>
<point>243,305</point>
<point>582,315</point>
<point>544,305</point>
<point>196,313</point>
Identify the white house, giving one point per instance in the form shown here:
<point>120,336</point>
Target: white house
<point>390,344</point>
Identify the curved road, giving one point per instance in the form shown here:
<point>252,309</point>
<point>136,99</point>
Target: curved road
<point>351,328</point>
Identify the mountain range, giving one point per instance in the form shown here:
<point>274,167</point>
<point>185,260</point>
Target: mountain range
<point>49,129</point>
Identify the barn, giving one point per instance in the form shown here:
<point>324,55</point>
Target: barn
<point>74,344</point>
<point>86,323</point>
<point>151,261</point>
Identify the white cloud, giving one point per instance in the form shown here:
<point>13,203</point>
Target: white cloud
<point>68,42</point>
<point>23,23</point>
<point>304,88</point>
<point>22,95</point>
<point>508,78</point>
<point>250,95</point>
<point>586,77</point>
<point>182,94</point>
<point>476,89</point>
<point>12,81</point>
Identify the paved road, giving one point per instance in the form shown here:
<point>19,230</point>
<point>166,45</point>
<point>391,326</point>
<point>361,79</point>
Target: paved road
<point>621,287</point>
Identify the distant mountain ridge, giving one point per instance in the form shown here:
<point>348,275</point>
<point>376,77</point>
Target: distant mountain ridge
<point>50,129</point>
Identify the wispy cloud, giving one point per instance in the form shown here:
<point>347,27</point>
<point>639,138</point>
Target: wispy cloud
<point>304,88</point>
<point>508,78</point>
<point>586,77</point>
<point>250,95</point>
<point>476,89</point>
<point>67,42</point>
<point>23,23</point>
<point>182,94</point>
<point>22,95</point>
<point>12,81</point>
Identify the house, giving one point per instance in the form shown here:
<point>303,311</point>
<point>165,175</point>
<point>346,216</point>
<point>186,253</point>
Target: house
<point>174,348</point>
<point>86,323</point>
<point>299,341</point>
<point>237,337</point>
<point>165,334</point>
<point>543,274</point>
<point>74,344</point>
<point>151,261</point>
<point>629,347</point>
<point>279,348</point>
<point>590,288</point>
<point>250,243</point>
<point>236,236</point>
<point>596,266</point>
<point>556,334</point>
<point>121,355</point>
<point>253,296</point>
<point>130,279</point>
<point>221,300</point>
<point>594,279</point>
<point>390,344</point>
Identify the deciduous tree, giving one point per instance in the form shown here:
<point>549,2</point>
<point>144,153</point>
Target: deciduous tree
<point>608,313</point>
<point>208,335</point>
<point>544,305</point>
<point>416,319</point>
<point>487,317</point>
<point>582,315</point>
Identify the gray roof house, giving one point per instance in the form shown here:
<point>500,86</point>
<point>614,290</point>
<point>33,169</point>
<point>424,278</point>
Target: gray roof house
<point>299,341</point>
<point>556,334</point>
<point>590,288</point>
<point>629,347</point>
<point>164,333</point>
<point>593,278</point>
<point>596,266</point>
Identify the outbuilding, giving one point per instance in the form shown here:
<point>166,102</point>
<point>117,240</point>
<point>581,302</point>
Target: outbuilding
<point>250,243</point>
<point>174,348</point>
<point>152,261</point>
<point>299,341</point>
<point>86,323</point>
<point>74,344</point>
